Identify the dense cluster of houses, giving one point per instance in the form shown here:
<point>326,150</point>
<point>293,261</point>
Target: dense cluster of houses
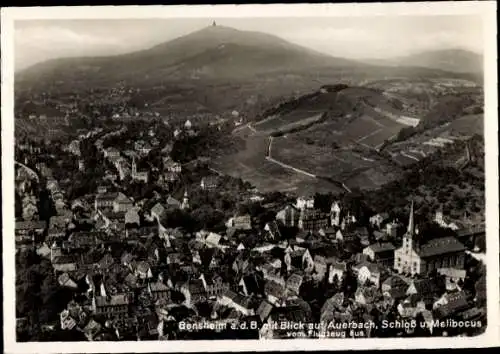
<point>137,277</point>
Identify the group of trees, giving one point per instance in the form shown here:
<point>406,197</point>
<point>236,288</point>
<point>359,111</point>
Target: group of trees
<point>208,142</point>
<point>39,298</point>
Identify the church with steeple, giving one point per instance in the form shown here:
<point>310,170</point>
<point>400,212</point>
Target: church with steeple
<point>136,175</point>
<point>416,256</point>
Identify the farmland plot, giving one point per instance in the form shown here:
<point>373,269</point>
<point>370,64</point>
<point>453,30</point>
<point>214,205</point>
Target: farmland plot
<point>280,122</point>
<point>319,160</point>
<point>251,165</point>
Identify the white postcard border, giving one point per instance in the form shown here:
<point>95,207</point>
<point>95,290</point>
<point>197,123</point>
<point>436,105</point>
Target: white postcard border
<point>487,9</point>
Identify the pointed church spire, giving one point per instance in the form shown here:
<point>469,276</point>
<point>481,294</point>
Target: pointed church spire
<point>411,221</point>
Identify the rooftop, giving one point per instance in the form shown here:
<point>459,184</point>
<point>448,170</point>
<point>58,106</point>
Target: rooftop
<point>441,246</point>
<point>113,300</point>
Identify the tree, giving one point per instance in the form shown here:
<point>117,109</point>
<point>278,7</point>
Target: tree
<point>349,283</point>
<point>206,217</point>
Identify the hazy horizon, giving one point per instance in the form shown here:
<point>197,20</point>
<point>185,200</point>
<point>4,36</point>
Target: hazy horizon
<point>359,38</point>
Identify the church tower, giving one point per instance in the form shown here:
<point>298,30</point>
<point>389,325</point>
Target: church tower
<point>407,258</point>
<point>185,201</point>
<point>408,239</point>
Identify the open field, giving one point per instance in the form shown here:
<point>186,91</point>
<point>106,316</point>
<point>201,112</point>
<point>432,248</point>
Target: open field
<point>344,165</point>
<point>268,176</point>
<point>319,160</point>
<point>369,129</point>
<point>251,165</point>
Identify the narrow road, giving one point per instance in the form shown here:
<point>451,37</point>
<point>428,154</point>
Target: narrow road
<point>409,156</point>
<point>215,171</point>
<point>369,135</point>
<point>249,125</point>
<point>284,165</point>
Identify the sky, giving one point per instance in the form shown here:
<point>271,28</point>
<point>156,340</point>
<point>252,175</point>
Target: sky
<point>374,37</point>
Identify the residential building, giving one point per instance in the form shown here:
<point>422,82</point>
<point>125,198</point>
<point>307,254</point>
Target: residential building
<point>158,211</point>
<point>293,283</point>
<point>366,295</point>
<point>367,271</point>
<point>377,220</point>
<point>427,290</point>
<point>273,231</point>
<point>336,269</point>
<point>213,284</point>
<point>298,258</point>
<point>105,201</point>
<point>289,216</point>
<point>304,203</point>
<point>194,292</point>
<point>158,291</point>
<point>111,153</point>
<point>239,302</point>
<point>28,231</point>
<point>111,306</point>
<point>382,253</point>
<point>122,203</point>
<point>209,182</point>
<point>443,222</point>
<point>132,217</point>
<point>313,220</point>
<point>251,284</point>
<point>243,222</point>
<point>393,228</point>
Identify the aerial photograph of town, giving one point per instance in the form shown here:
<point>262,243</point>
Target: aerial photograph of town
<point>249,178</point>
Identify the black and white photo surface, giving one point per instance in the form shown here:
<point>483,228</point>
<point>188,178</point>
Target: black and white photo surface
<point>261,177</point>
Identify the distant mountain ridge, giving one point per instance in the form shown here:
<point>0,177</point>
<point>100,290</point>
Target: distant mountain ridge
<point>451,60</point>
<point>224,53</point>
<point>214,51</point>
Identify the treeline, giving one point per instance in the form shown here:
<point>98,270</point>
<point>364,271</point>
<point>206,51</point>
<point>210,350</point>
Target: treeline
<point>209,142</point>
<point>288,106</point>
<point>298,126</point>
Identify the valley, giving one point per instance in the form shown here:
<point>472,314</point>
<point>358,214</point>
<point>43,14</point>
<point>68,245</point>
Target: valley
<point>333,123</point>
